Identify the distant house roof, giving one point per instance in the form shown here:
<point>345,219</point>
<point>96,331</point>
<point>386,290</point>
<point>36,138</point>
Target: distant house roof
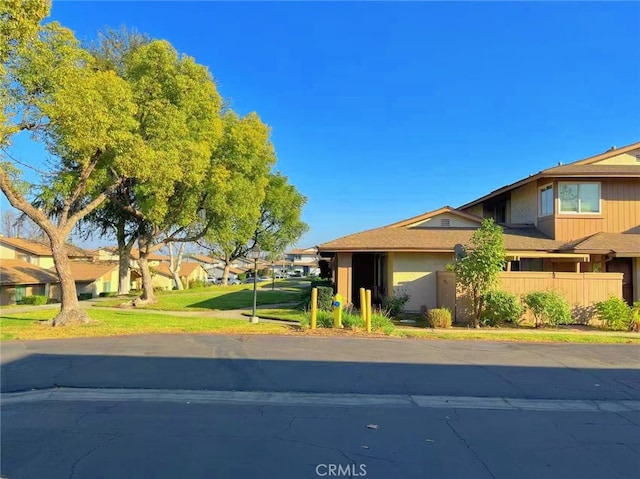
<point>89,271</point>
<point>580,168</point>
<point>435,240</point>
<point>202,258</point>
<point>135,253</point>
<point>311,250</point>
<point>15,271</point>
<point>619,244</point>
<point>42,248</point>
<point>185,269</point>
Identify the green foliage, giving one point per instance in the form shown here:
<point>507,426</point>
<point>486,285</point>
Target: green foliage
<point>548,308</point>
<point>501,307</point>
<point>325,296</point>
<point>635,317</point>
<point>615,314</point>
<point>380,323</point>
<point>84,296</point>
<point>395,303</point>
<point>198,283</point>
<point>439,318</point>
<point>36,300</point>
<point>109,294</point>
<point>483,260</point>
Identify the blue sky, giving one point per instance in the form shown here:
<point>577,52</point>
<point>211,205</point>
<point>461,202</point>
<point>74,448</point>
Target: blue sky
<point>381,111</point>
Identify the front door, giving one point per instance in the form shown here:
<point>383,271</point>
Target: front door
<point>624,266</point>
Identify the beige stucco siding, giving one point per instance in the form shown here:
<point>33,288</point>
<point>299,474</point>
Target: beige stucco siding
<point>629,158</point>
<point>415,273</point>
<point>455,221</point>
<point>477,210</point>
<point>162,282</point>
<point>6,252</point>
<point>524,204</point>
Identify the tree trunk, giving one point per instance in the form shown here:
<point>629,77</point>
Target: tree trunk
<point>124,260</point>
<point>147,282</point>
<point>70,311</point>
<point>175,261</point>
<point>225,273</point>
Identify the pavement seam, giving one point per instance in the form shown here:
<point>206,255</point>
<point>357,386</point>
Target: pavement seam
<point>302,398</point>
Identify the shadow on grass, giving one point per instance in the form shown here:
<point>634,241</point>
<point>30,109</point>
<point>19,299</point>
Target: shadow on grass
<point>243,299</point>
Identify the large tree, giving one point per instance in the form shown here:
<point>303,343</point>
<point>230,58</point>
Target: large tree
<point>277,226</point>
<point>86,120</point>
<point>178,113</point>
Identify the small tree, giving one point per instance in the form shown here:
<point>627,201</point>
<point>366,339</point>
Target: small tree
<point>481,262</point>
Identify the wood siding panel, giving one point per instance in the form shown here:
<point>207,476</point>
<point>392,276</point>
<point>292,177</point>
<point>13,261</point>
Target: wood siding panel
<point>580,290</point>
<point>620,212</point>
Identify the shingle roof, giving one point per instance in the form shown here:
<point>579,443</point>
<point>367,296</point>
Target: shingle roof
<point>593,170</point>
<point>203,259</point>
<point>15,271</point>
<point>605,243</point>
<point>87,271</point>
<point>573,169</point>
<point>41,248</point>
<point>185,269</point>
<point>435,239</point>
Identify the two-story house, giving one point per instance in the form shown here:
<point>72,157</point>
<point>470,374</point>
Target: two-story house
<point>579,218</point>
<point>303,261</point>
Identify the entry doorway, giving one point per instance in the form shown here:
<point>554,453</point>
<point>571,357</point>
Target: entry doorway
<point>624,266</point>
<point>369,271</point>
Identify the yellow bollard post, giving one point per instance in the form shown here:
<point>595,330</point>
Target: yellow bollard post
<point>314,307</point>
<point>367,320</point>
<point>363,305</point>
<point>337,311</point>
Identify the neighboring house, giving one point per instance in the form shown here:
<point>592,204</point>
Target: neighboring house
<point>163,279</point>
<point>19,278</point>
<point>95,277</point>
<point>570,222</point>
<point>36,252</point>
<point>110,253</point>
<point>213,266</point>
<point>304,261</point>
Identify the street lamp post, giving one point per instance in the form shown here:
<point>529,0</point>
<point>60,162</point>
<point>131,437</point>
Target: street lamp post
<point>273,276</point>
<point>255,253</point>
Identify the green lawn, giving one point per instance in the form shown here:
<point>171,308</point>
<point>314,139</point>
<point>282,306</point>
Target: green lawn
<point>14,326</point>
<point>275,313</point>
<point>216,297</point>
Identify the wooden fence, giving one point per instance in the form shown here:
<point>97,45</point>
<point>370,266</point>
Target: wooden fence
<point>581,290</point>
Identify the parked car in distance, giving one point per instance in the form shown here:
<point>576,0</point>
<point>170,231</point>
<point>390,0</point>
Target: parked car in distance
<point>230,281</point>
<point>251,280</point>
<point>296,274</point>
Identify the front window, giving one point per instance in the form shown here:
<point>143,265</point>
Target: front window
<point>579,198</point>
<point>546,200</point>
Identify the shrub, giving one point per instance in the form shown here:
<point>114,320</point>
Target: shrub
<point>501,306</point>
<point>109,294</point>
<point>325,295</point>
<point>615,313</point>
<point>198,283</point>
<point>36,300</point>
<point>83,296</point>
<point>395,303</point>
<point>635,317</point>
<point>439,318</point>
<point>380,322</point>
<point>324,319</point>
<point>548,308</point>
<point>52,300</point>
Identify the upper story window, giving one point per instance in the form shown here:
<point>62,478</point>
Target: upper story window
<point>545,202</point>
<point>579,198</point>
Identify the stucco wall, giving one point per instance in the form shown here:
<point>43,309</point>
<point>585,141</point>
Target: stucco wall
<point>624,159</point>
<point>455,221</point>
<point>524,204</point>
<point>7,252</point>
<point>161,281</point>
<point>477,210</point>
<point>636,279</point>
<point>415,273</point>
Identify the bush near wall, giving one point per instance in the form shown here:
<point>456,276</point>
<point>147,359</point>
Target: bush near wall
<point>615,314</point>
<point>325,295</point>
<point>439,318</point>
<point>83,296</point>
<point>501,307</point>
<point>36,300</point>
<point>549,308</point>
<point>109,294</point>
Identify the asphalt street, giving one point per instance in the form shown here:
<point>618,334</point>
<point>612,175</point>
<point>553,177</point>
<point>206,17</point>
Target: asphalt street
<point>202,406</point>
